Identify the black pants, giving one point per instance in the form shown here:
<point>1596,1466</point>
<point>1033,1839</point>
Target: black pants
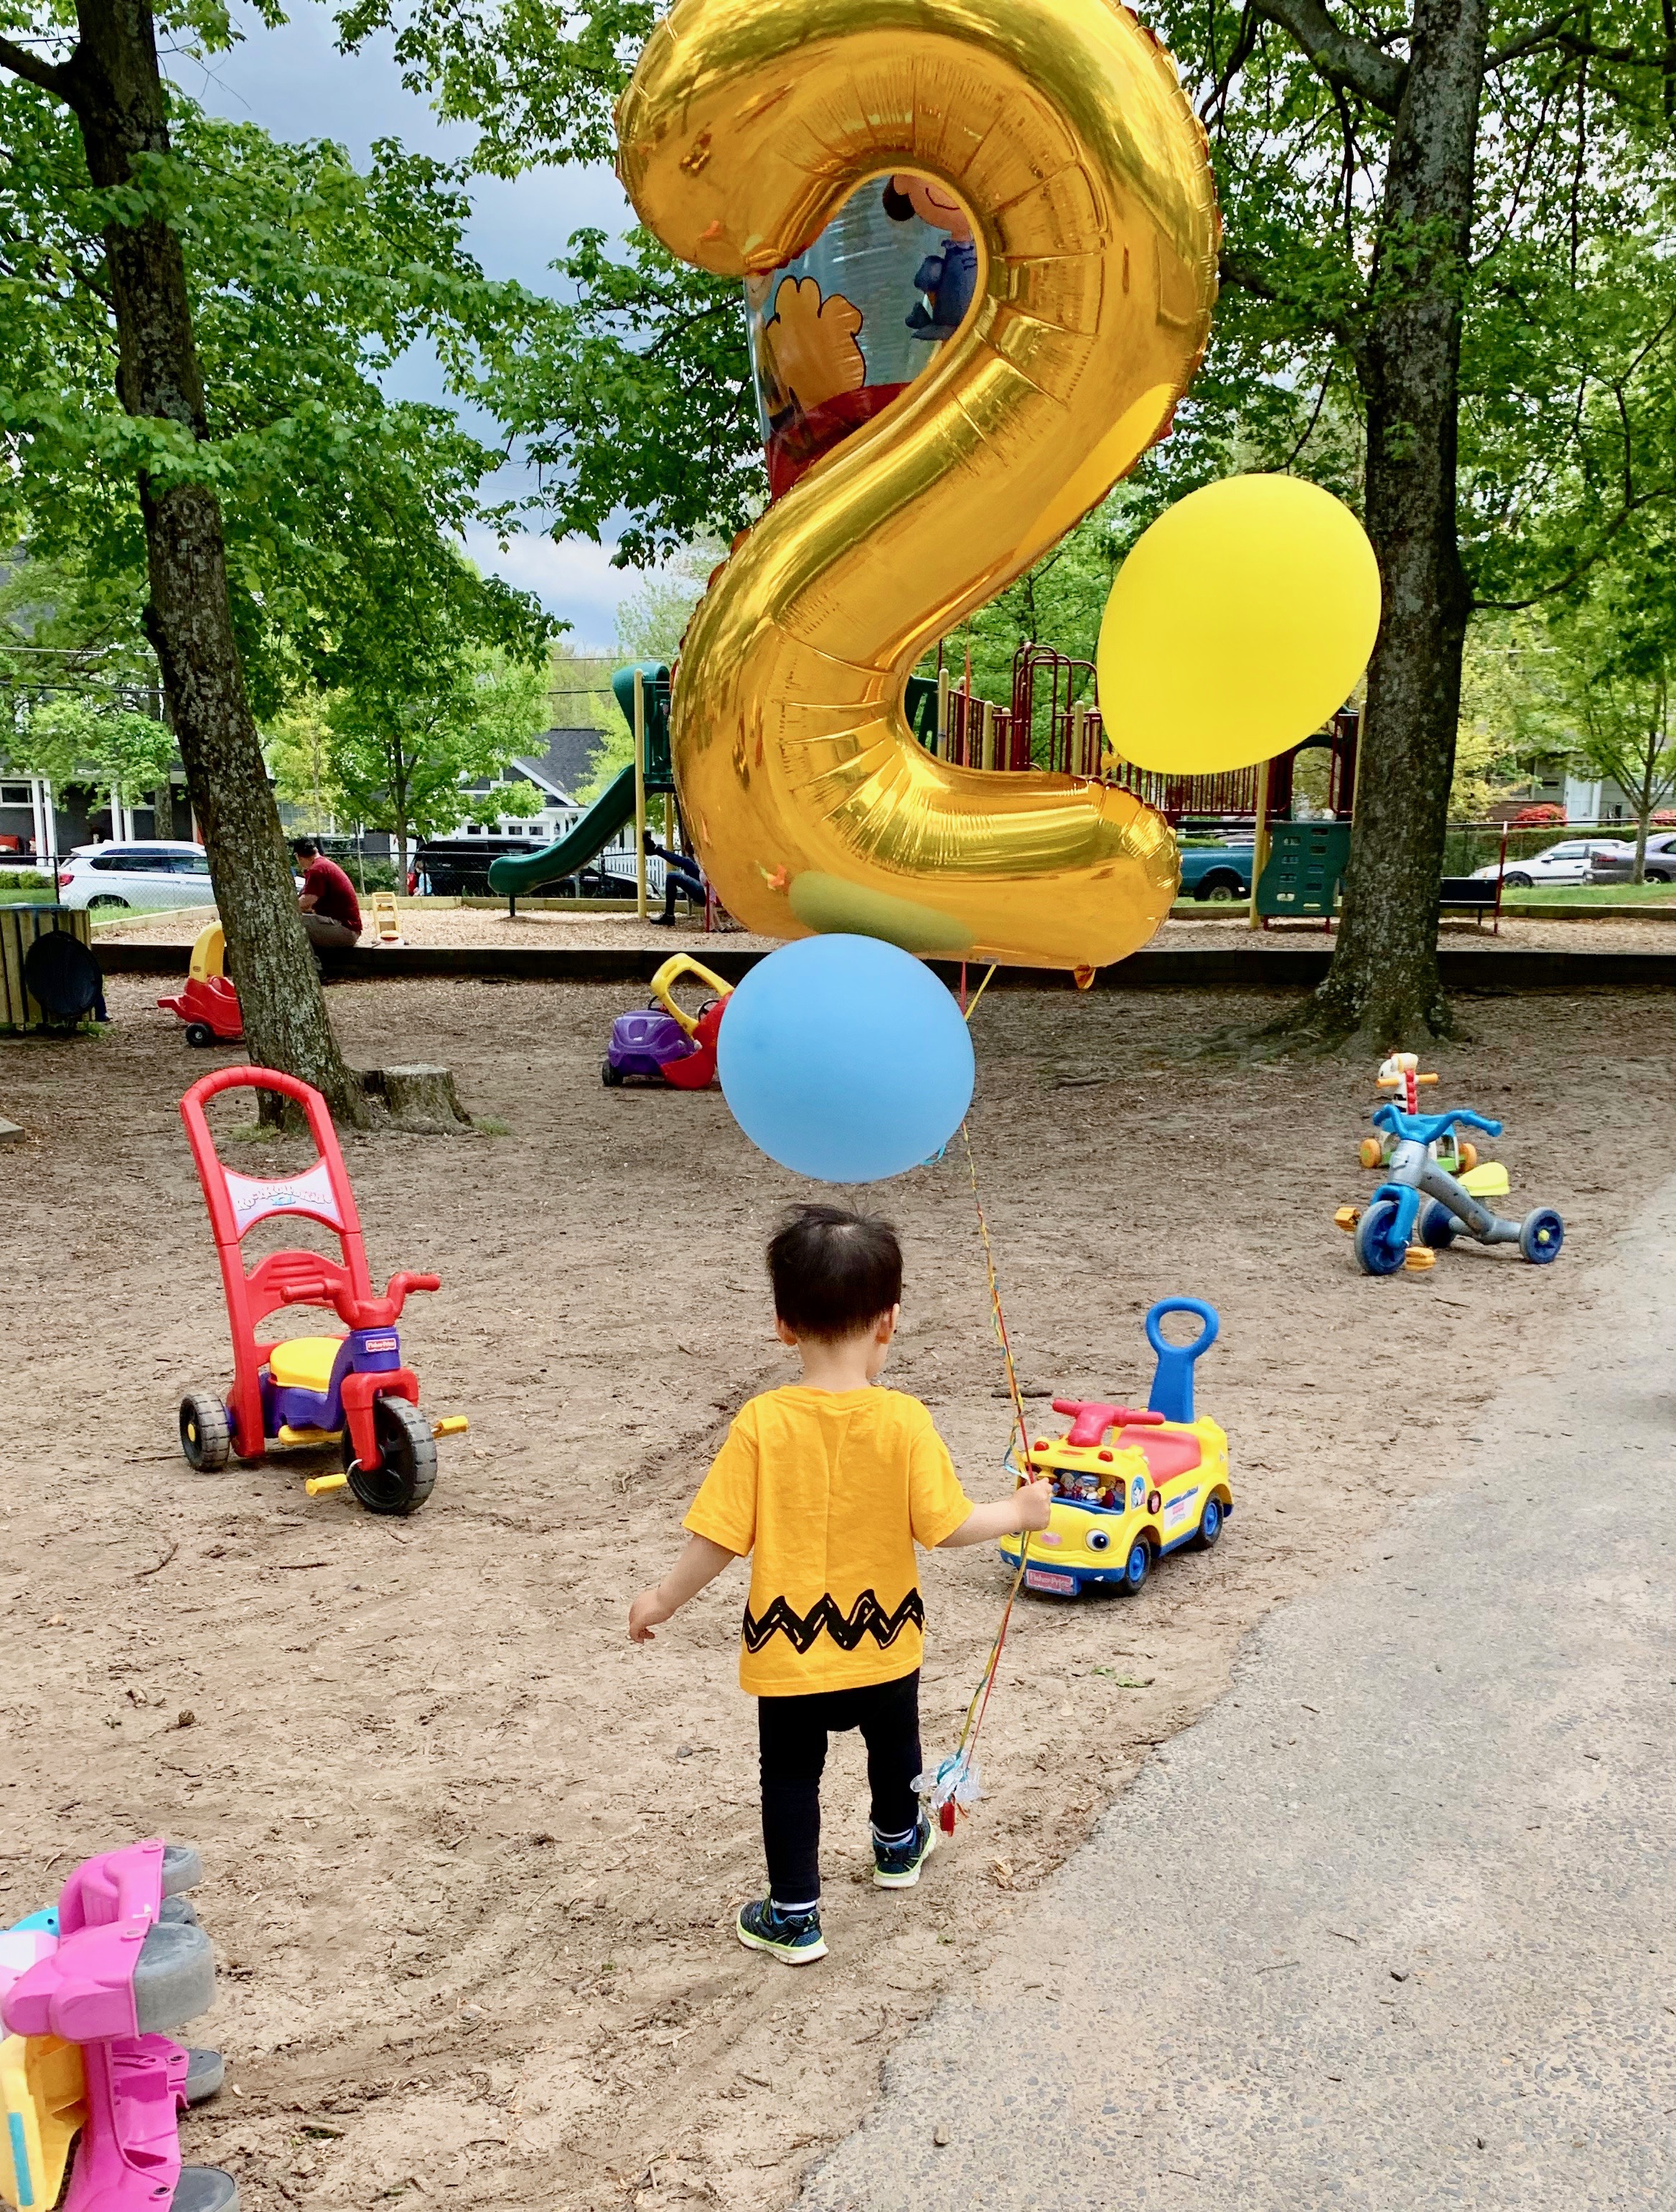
<point>792,1733</point>
<point>681,879</point>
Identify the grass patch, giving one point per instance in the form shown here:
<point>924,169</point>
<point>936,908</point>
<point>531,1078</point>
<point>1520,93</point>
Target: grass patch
<point>254,1133</point>
<point>487,1125</point>
<point>1592,893</point>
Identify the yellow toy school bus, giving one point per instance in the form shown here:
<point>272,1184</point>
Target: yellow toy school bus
<point>1132,1485</point>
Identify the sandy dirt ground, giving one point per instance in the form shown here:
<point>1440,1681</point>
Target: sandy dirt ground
<point>1220,927</point>
<point>472,1858</point>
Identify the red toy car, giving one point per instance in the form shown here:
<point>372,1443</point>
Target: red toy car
<point>208,1004</point>
<point>308,1390</point>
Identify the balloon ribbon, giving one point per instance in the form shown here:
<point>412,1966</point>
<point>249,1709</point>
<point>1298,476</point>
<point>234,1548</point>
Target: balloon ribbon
<point>954,1787</point>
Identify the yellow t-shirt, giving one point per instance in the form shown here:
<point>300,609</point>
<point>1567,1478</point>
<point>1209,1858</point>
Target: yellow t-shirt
<point>828,1491</point>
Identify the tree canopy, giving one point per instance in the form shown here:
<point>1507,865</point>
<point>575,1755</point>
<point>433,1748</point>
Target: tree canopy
<point>308,279</point>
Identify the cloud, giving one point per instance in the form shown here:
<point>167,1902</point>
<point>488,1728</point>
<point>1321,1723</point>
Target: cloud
<point>573,578</point>
<point>294,83</point>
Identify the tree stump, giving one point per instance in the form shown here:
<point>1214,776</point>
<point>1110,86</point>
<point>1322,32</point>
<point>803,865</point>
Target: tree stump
<point>421,1100</point>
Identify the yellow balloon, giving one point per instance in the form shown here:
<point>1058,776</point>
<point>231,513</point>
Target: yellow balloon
<point>1240,622</point>
<point>1062,129</point>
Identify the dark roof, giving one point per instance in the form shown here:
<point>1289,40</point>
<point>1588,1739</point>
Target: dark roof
<point>567,760</point>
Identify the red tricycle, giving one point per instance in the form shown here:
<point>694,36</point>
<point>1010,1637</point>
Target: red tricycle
<point>305,1392</point>
<point>208,1003</point>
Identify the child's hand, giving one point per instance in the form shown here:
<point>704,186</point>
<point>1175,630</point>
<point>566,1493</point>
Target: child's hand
<point>1033,1501</point>
<point>650,1610</point>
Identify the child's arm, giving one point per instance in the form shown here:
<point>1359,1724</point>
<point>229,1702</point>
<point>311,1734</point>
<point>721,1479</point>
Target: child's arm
<point>1027,1509</point>
<point>701,1562</point>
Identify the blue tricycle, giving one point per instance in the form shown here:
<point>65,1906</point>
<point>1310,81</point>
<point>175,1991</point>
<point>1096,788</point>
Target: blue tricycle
<point>1422,1195</point>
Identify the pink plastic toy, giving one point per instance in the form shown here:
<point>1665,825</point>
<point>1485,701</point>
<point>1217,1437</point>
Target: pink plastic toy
<point>129,1962</point>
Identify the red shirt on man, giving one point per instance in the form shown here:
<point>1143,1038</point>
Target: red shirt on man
<point>332,892</point>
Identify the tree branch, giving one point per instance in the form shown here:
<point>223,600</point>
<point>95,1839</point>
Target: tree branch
<point>1355,64</point>
<point>1579,568</point>
<point>1543,34</point>
<point>51,76</point>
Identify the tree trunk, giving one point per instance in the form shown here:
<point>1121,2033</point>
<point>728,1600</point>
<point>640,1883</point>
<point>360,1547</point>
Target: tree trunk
<point>422,1100</point>
<point>1383,980</point>
<point>112,86</point>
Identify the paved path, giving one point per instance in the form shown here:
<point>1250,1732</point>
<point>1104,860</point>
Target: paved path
<point>1394,1925</point>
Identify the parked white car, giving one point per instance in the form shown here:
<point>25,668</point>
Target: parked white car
<point>1568,863</point>
<point>147,874</point>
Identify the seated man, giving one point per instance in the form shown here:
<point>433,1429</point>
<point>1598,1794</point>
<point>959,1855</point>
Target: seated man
<point>682,873</point>
<point>330,912</point>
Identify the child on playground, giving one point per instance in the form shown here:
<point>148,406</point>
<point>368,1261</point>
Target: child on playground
<point>827,1485</point>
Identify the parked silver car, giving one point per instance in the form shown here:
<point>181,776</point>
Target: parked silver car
<point>1615,864</point>
<point>147,872</point>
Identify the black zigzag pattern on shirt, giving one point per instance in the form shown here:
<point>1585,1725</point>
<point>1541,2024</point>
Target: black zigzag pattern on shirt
<point>866,1617</point>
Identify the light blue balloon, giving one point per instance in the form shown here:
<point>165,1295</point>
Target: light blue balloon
<point>845,1059</point>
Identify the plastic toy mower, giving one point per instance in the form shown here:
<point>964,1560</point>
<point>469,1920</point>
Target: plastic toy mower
<point>666,1044</point>
<point>1131,1485</point>
<point>308,1390</point>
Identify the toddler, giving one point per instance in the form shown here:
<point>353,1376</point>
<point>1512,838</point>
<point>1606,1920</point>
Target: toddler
<point>827,1486</point>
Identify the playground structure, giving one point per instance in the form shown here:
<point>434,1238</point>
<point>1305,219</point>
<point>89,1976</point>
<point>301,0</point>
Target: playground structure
<point>1131,1485</point>
<point>88,1991</point>
<point>643,694</point>
<point>307,1391</point>
<point>1436,1185</point>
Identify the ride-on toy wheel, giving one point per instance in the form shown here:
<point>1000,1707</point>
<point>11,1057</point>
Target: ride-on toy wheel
<point>1540,1236</point>
<point>1210,1524</point>
<point>199,1034</point>
<point>1138,1566</point>
<point>1379,1251</point>
<point>1438,1226</point>
<point>406,1473</point>
<point>609,1076</point>
<point>205,1437</point>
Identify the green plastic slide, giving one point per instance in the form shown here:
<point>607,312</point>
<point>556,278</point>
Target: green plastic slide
<point>526,872</point>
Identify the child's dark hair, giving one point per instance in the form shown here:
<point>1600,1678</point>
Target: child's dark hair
<point>834,1272</point>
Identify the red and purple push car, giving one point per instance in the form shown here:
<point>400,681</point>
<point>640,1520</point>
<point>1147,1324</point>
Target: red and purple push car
<point>665,1044</point>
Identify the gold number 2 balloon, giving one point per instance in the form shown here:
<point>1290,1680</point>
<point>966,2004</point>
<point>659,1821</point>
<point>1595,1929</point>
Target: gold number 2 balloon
<point>1064,129</point>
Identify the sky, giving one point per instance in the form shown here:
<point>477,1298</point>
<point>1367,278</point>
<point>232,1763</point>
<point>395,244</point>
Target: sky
<point>295,85</point>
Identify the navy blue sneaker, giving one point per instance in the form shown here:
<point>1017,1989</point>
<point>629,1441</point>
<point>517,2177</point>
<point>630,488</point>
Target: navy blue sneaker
<point>898,1868</point>
<point>793,1938</point>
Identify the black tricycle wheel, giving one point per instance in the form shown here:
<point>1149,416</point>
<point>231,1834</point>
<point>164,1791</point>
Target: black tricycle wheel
<point>199,1035</point>
<point>205,1436</point>
<point>406,1473</point>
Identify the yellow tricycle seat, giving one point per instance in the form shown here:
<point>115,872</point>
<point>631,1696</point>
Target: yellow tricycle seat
<point>305,1363</point>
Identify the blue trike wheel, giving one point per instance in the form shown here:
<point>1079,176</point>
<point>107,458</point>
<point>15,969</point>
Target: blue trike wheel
<point>1210,1524</point>
<point>1379,1249</point>
<point>1438,1227</point>
<point>1138,1566</point>
<point>1540,1236</point>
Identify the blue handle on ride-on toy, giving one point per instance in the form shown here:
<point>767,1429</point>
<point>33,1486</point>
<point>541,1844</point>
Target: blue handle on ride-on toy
<point>1172,1378</point>
<point>1427,1129</point>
